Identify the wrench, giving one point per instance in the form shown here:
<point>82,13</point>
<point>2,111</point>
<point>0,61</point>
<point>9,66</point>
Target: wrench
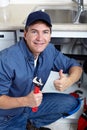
<point>37,83</point>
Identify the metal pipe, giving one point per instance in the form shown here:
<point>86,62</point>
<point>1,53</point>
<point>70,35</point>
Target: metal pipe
<point>80,10</point>
<point>79,2</point>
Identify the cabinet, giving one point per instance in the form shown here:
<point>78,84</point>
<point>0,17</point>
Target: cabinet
<point>7,38</point>
<point>72,43</point>
<point>19,34</point>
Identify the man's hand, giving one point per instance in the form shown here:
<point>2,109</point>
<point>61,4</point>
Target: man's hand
<point>34,100</point>
<point>63,82</point>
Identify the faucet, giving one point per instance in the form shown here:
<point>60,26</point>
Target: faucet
<point>80,10</point>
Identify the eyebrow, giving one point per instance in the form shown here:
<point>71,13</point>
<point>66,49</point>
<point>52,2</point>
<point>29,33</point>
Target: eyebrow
<point>42,30</point>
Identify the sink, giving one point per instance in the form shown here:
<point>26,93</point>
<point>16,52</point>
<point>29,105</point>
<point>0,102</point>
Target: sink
<point>59,14</point>
<point>63,14</point>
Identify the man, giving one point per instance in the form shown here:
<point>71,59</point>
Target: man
<point>32,57</point>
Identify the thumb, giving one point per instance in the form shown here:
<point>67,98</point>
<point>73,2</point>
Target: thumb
<point>61,74</point>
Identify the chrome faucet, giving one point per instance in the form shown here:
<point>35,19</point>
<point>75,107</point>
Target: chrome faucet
<point>80,9</point>
<point>79,2</point>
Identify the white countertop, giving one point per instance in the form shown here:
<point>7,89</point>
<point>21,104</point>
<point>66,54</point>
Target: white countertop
<point>13,16</point>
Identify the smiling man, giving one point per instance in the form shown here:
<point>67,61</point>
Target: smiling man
<point>37,37</point>
<point>34,56</point>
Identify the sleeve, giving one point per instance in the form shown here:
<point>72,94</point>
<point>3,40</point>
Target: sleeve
<point>5,76</point>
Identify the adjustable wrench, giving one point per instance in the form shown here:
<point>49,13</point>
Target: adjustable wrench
<point>37,83</point>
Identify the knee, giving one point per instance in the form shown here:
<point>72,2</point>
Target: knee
<point>71,101</point>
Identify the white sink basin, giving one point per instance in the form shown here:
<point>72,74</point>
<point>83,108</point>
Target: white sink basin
<point>59,14</point>
<point>63,14</point>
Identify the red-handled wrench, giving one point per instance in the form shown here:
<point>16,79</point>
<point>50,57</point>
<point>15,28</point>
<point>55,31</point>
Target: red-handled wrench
<point>37,83</point>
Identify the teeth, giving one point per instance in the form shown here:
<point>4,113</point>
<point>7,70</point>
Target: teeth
<point>38,43</point>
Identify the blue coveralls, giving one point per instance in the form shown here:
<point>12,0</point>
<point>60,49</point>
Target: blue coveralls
<point>16,74</point>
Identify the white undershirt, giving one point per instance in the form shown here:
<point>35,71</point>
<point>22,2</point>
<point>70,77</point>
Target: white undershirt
<point>35,62</point>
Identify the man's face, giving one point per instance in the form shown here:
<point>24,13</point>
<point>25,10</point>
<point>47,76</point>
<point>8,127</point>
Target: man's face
<point>37,37</point>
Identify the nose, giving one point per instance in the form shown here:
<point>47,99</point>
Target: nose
<point>39,36</point>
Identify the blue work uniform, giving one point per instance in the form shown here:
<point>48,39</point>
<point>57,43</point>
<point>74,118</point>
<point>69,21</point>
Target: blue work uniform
<point>17,71</point>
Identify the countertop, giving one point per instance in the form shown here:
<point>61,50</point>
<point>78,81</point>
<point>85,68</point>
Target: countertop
<point>12,18</point>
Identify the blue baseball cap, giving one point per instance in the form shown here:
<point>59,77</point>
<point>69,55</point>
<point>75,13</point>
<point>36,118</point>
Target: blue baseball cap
<point>36,16</point>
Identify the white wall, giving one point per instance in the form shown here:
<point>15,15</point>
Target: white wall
<point>41,1</point>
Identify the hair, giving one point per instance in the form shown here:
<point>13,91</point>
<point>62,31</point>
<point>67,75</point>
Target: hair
<point>26,27</point>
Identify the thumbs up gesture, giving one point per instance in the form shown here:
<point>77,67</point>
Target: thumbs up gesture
<point>63,82</point>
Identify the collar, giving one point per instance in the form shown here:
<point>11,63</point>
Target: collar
<point>27,53</point>
<point>25,50</point>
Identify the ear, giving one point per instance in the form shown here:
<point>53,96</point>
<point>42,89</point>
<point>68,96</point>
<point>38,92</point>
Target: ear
<point>25,34</point>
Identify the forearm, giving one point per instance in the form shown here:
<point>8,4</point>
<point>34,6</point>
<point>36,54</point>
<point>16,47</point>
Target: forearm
<point>7,102</point>
<point>30,100</point>
<point>75,74</point>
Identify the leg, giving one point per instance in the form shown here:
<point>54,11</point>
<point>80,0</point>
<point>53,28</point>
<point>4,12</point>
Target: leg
<point>14,123</point>
<point>53,106</point>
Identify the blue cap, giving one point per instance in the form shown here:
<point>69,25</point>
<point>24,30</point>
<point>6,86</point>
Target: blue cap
<point>36,16</point>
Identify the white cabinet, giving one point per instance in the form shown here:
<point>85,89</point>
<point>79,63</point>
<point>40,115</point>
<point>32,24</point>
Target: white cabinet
<point>72,42</point>
<point>19,34</point>
<point>7,38</point>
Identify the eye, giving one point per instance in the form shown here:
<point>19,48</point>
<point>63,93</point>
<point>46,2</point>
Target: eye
<point>34,31</point>
<point>46,32</point>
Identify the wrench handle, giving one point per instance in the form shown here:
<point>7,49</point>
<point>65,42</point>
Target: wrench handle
<point>36,90</point>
